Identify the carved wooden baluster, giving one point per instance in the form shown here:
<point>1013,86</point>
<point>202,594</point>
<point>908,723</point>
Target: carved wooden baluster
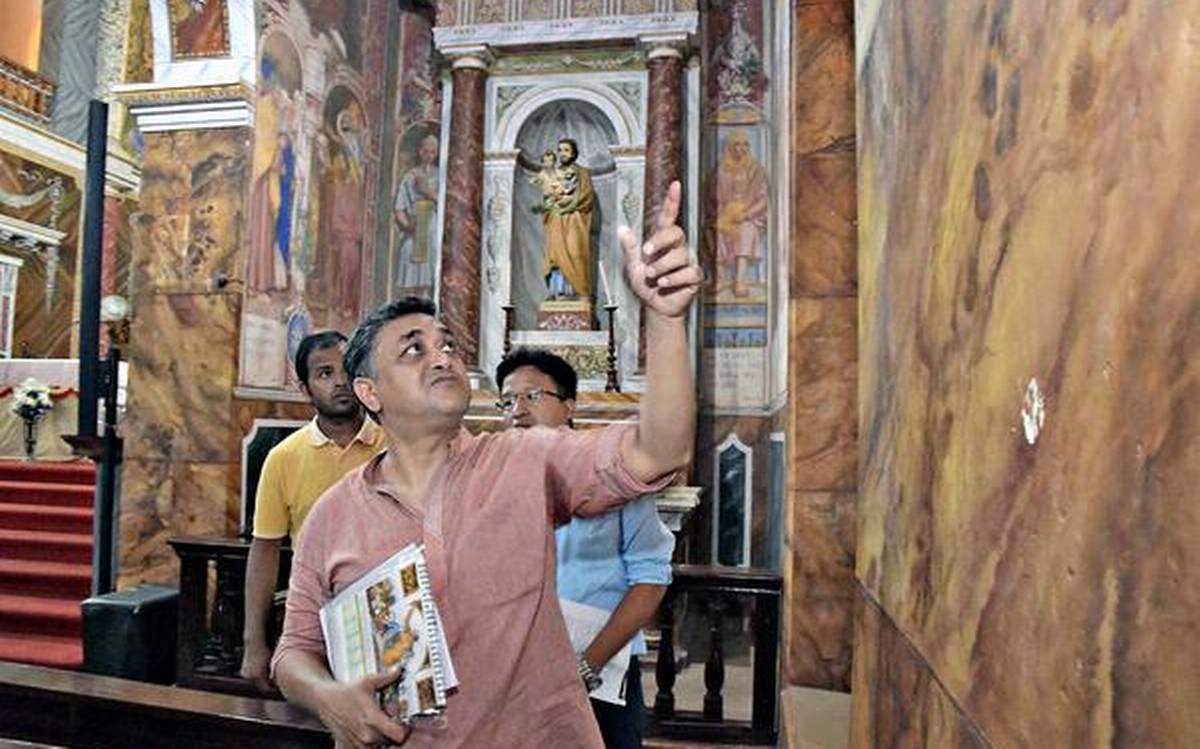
<point>664,670</point>
<point>714,667</point>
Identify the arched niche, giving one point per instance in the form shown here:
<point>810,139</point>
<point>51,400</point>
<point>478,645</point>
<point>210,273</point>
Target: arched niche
<point>595,135</point>
<point>613,104</point>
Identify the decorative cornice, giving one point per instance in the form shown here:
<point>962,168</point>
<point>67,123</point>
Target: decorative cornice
<point>28,235</point>
<point>134,94</point>
<point>159,108</point>
<point>122,175</point>
<point>572,30</point>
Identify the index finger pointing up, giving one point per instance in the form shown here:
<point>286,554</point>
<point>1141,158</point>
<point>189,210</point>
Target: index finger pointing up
<point>668,213</point>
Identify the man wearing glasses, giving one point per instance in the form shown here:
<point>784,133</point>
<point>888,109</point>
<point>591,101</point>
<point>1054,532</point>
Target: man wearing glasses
<point>619,561</point>
<point>484,507</point>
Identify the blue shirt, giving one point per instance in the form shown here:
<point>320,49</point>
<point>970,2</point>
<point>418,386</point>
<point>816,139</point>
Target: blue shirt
<point>600,558</point>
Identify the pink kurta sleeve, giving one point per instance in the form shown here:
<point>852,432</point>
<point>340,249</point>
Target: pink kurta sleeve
<point>586,475</point>
<point>306,595</point>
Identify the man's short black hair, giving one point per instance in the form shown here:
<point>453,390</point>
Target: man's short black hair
<point>571,142</point>
<point>358,360</point>
<point>314,342</point>
<point>550,364</point>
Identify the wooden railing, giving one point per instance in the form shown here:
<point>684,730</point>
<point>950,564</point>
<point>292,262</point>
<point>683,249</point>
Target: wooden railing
<point>65,708</point>
<point>210,638</point>
<point>25,92</point>
<point>210,641</point>
<point>720,592</point>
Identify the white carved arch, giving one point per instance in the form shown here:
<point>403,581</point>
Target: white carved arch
<point>624,119</point>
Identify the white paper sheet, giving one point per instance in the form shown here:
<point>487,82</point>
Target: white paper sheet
<point>583,623</point>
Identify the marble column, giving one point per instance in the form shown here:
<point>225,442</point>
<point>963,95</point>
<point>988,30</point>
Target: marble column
<point>664,138</point>
<point>458,299</point>
<point>664,127</point>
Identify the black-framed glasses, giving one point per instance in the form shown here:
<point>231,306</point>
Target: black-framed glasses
<point>508,402</point>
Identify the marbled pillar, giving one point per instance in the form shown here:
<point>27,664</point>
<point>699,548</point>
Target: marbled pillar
<point>664,129</point>
<point>462,240</point>
<point>664,142</point>
<point>820,533</point>
<point>1029,384</point>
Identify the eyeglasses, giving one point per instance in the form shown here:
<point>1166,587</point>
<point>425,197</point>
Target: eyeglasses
<point>509,402</point>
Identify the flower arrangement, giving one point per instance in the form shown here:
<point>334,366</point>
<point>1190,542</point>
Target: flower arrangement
<point>31,400</point>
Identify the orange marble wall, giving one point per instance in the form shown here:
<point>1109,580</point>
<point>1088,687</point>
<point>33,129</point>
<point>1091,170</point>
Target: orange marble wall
<point>183,427</point>
<point>822,417</point>
<point>1026,202</point>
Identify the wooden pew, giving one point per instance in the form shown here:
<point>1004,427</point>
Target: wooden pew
<point>67,708</point>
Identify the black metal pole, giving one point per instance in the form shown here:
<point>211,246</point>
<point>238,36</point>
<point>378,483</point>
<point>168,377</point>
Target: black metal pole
<point>89,294</point>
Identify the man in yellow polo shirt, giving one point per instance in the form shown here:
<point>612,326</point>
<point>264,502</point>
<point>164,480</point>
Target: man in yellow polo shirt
<point>295,474</point>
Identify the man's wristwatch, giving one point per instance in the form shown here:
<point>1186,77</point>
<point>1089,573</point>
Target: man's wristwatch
<point>591,679</point>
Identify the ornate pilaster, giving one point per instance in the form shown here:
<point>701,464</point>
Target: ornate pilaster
<point>462,241</point>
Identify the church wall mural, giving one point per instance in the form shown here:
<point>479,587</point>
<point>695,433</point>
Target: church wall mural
<point>198,29</point>
<point>413,232</point>
<point>736,244</point>
<point>313,190</point>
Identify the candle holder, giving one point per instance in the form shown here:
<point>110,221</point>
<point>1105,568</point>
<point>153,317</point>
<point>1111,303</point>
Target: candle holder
<point>613,383</point>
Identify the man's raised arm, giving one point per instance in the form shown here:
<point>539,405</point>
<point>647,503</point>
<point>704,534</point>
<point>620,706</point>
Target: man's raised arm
<point>665,278</point>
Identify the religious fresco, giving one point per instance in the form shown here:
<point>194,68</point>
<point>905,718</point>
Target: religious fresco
<point>199,28</point>
<point>48,199</point>
<point>314,166</point>
<point>139,54</point>
<point>736,182</point>
<point>737,80</point>
<point>414,233</point>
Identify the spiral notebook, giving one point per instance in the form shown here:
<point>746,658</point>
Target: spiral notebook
<point>388,619</point>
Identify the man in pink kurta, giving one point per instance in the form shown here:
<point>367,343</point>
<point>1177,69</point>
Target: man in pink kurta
<point>489,542</point>
<point>484,507</point>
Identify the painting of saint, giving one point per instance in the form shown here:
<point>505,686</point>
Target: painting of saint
<point>342,207</point>
<point>272,183</point>
<point>739,228</point>
<point>415,214</point>
<point>199,28</point>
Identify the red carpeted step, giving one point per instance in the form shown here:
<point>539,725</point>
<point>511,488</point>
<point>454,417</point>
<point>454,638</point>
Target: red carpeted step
<point>60,579</point>
<point>44,493</point>
<point>46,546</point>
<point>78,472</point>
<point>39,616</point>
<point>35,517</point>
<point>43,650</point>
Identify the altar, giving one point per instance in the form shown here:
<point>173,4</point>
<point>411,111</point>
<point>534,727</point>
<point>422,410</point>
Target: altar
<point>62,378</point>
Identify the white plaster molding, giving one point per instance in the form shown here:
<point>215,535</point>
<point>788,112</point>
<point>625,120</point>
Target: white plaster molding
<point>247,392</point>
<point>238,67</point>
<point>779,258</point>
<point>586,87</point>
<point>748,495</point>
<point>122,175</point>
<point>675,505</point>
<point>259,424</point>
<point>469,55</point>
<point>567,30</point>
<point>665,44</point>
<point>207,115</point>
<point>27,234</point>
